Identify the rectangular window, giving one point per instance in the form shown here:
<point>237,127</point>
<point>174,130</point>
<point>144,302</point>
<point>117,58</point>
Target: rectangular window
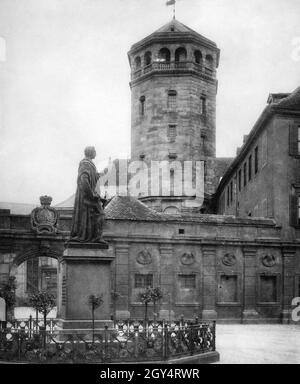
<point>187,281</point>
<point>256,160</point>
<point>268,289</point>
<point>298,210</point>
<point>240,179</point>
<point>295,140</point>
<point>143,281</point>
<point>142,105</point>
<point>172,132</point>
<point>203,106</point>
<point>295,207</point>
<point>250,167</point>
<point>172,100</point>
<point>228,197</point>
<point>264,149</point>
<point>228,289</point>
<point>231,192</point>
<point>245,174</point>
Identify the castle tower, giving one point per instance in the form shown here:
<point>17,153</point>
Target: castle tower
<point>173,96</point>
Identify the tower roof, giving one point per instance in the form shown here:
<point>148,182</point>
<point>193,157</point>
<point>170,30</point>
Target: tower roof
<point>175,26</point>
<point>173,30</point>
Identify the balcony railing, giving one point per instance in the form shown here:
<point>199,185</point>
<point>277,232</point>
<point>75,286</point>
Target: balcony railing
<point>172,66</point>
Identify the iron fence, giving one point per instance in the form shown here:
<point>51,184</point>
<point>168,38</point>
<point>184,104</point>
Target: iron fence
<point>31,325</point>
<point>126,342</point>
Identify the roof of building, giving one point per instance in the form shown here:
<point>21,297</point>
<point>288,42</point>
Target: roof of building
<point>18,208</point>
<point>130,208</point>
<point>276,97</point>
<point>68,203</point>
<point>292,101</point>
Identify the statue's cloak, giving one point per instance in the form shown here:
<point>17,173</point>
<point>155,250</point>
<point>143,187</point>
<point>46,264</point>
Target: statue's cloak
<point>87,206</point>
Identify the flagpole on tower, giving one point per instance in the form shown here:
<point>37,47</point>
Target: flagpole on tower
<point>172,2</point>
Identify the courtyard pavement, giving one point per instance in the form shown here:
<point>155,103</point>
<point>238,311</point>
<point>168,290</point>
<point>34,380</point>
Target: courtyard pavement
<point>258,344</point>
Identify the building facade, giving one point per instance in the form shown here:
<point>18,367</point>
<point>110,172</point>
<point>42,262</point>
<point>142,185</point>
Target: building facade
<point>263,180</point>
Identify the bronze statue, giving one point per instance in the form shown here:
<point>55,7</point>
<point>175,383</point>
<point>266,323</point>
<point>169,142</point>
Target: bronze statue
<point>88,216</point>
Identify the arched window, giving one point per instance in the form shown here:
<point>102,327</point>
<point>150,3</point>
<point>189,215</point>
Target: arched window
<point>142,105</point>
<point>164,55</point>
<point>137,63</point>
<point>148,58</point>
<point>209,60</point>
<point>172,99</point>
<point>198,57</point>
<point>180,54</point>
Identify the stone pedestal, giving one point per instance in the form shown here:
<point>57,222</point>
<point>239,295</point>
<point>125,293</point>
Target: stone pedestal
<point>84,270</point>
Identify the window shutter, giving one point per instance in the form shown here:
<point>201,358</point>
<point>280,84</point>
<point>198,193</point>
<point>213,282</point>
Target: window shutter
<point>294,140</point>
<point>294,211</point>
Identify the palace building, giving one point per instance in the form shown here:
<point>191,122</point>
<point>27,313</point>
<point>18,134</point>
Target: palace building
<point>235,258</point>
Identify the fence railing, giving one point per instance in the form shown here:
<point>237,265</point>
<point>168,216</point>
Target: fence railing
<point>126,342</point>
<point>31,325</point>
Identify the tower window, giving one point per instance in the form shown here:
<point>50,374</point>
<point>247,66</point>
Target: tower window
<point>137,62</point>
<point>172,99</point>
<point>198,57</point>
<point>148,58</point>
<point>180,54</point>
<point>172,132</point>
<point>142,105</point>
<point>143,280</point>
<point>256,160</point>
<point>164,55</point>
<point>209,61</point>
<point>250,168</point>
<point>203,105</point>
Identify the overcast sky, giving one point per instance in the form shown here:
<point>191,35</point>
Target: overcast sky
<point>64,78</point>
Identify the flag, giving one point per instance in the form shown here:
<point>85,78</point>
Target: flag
<point>170,2</point>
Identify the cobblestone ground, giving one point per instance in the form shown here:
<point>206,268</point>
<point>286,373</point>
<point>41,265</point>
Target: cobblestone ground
<point>258,344</point>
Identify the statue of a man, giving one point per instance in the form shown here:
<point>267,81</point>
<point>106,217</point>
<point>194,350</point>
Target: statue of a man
<point>88,216</point>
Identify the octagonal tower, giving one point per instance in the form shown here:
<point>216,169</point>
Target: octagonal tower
<point>173,96</point>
